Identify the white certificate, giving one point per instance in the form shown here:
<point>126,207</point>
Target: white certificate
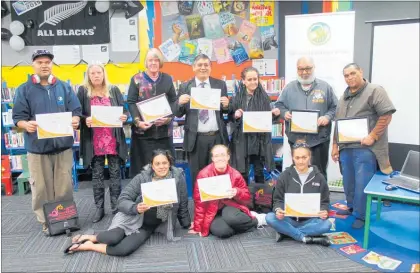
<point>158,193</point>
<point>302,204</point>
<point>352,130</point>
<point>154,108</point>
<point>257,122</point>
<point>54,125</point>
<point>205,98</point>
<point>106,116</point>
<point>214,188</point>
<point>304,122</point>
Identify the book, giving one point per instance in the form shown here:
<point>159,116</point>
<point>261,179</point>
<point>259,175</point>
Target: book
<point>178,28</point>
<point>195,26</point>
<point>238,52</point>
<point>268,37</point>
<point>255,48</point>
<point>188,52</point>
<point>169,8</point>
<point>170,50</point>
<point>352,249</point>
<point>228,22</point>
<point>205,46</point>
<point>222,6</point>
<point>221,51</point>
<point>340,238</point>
<point>212,27</point>
<point>246,31</point>
<point>185,7</point>
<point>340,206</point>
<point>261,13</point>
<point>205,7</point>
<point>415,268</point>
<point>381,261</point>
<point>239,8</point>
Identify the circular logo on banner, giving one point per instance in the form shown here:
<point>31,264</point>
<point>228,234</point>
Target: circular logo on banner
<point>319,33</point>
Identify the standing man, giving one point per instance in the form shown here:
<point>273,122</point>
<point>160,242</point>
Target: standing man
<point>50,160</point>
<point>310,93</point>
<point>359,160</point>
<point>203,128</point>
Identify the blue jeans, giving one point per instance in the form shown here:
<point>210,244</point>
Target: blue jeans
<point>298,230</point>
<point>358,165</point>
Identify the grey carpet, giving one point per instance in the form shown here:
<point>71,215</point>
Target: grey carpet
<point>24,248</point>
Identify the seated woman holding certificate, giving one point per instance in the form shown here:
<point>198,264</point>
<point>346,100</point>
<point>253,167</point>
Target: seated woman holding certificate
<point>147,136</point>
<point>98,143</point>
<point>304,180</point>
<point>136,221</point>
<point>251,148</point>
<point>226,213</point>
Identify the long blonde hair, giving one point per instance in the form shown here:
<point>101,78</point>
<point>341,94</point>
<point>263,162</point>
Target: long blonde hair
<point>88,84</point>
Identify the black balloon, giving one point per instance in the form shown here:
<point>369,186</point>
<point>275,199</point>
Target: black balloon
<point>4,10</point>
<point>5,34</point>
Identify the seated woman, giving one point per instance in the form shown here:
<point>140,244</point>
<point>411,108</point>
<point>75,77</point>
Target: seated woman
<point>135,221</point>
<point>225,217</point>
<point>301,177</point>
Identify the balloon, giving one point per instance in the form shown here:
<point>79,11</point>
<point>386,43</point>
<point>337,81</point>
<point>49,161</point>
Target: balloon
<point>118,5</point>
<point>5,34</point>
<point>17,43</point>
<point>17,28</point>
<point>102,6</point>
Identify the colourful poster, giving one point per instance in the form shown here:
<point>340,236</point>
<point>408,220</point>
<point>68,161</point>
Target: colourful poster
<point>221,6</point>
<point>212,27</point>
<point>261,13</point>
<point>170,50</point>
<point>179,29</point>
<point>268,37</point>
<point>255,48</point>
<point>238,52</point>
<point>195,26</point>
<point>228,22</point>
<point>221,51</point>
<point>205,7</point>
<point>246,31</point>
<point>239,8</point>
<point>188,52</point>
<point>205,46</point>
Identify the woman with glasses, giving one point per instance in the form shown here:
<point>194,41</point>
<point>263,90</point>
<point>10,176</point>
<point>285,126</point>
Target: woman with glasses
<point>301,178</point>
<point>145,136</point>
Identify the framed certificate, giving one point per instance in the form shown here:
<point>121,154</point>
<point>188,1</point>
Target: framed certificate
<point>205,98</point>
<point>106,116</point>
<point>154,108</point>
<point>54,125</point>
<point>257,122</point>
<point>304,121</point>
<point>158,193</point>
<point>214,188</point>
<point>352,130</point>
<point>302,204</point>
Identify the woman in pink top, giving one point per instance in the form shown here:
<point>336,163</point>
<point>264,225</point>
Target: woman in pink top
<point>96,144</point>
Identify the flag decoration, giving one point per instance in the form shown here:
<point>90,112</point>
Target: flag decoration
<point>337,5</point>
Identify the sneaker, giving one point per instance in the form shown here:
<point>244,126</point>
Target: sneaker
<point>45,229</point>
<point>260,218</point>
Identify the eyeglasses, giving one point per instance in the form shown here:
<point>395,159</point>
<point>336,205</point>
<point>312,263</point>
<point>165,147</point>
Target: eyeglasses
<point>307,69</point>
<point>300,145</point>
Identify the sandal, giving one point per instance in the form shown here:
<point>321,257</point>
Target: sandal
<point>68,251</point>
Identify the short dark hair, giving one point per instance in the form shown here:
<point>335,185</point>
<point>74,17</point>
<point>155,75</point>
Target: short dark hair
<point>355,65</point>
<point>249,69</point>
<point>164,153</point>
<point>201,57</point>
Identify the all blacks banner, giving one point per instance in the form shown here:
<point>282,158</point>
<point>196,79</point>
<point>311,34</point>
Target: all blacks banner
<point>61,22</point>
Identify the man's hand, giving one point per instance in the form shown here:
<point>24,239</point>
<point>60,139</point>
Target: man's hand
<point>142,208</point>
<point>184,99</point>
<point>161,121</point>
<point>224,101</point>
<point>367,141</point>
<point>144,125</point>
<point>238,113</point>
<point>123,118</point>
<point>75,122</point>
<point>30,126</point>
<point>232,193</point>
<point>323,214</point>
<point>323,121</point>
<point>334,153</point>
<point>275,112</point>
<point>287,116</point>
<point>89,121</point>
<point>280,214</point>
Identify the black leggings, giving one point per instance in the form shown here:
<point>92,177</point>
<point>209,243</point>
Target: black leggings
<point>229,221</point>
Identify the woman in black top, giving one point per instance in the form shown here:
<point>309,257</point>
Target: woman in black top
<point>147,137</point>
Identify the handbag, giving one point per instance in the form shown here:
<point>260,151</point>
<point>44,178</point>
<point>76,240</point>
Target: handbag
<point>262,193</point>
<point>61,217</point>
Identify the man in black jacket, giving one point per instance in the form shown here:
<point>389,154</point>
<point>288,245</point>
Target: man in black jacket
<point>203,128</point>
<point>301,178</point>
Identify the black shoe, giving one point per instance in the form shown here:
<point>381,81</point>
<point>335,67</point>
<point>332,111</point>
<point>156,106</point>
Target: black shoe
<point>345,212</point>
<point>99,214</point>
<point>317,240</point>
<point>280,237</point>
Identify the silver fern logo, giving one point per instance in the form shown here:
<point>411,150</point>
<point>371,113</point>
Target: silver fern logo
<point>58,13</point>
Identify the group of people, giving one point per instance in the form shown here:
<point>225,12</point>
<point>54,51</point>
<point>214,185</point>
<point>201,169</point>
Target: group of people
<point>209,149</point>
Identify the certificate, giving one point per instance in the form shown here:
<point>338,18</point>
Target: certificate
<point>257,122</point>
<point>205,98</point>
<point>352,130</point>
<point>304,121</point>
<point>158,193</point>
<point>214,188</point>
<point>154,108</point>
<point>302,204</point>
<point>54,125</point>
<point>106,116</point>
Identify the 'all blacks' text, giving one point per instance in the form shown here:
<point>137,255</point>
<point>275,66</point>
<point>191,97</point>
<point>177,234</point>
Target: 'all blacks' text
<point>66,32</point>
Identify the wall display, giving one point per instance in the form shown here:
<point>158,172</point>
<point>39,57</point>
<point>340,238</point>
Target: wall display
<point>238,52</point>
<point>255,48</point>
<point>212,27</point>
<point>195,26</point>
<point>228,22</point>
<point>205,46</point>
<point>179,30</point>
<point>246,31</point>
<point>221,51</point>
<point>95,53</point>
<point>188,52</point>
<point>261,13</point>
<point>170,50</point>
<point>61,22</point>
<point>268,37</point>
<point>66,54</point>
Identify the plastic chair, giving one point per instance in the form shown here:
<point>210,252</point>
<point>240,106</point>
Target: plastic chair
<point>6,175</point>
<point>24,176</point>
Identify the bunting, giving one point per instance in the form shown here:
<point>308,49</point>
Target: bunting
<point>337,5</point>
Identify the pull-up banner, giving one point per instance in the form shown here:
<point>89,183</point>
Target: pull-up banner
<point>61,22</point>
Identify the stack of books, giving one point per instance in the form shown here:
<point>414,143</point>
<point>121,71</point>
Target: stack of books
<point>14,139</point>
<point>277,130</point>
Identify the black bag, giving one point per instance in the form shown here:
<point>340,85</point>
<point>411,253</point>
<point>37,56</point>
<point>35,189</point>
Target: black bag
<point>61,217</point>
<point>262,194</point>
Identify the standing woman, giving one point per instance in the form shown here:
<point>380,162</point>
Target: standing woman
<point>98,143</point>
<point>147,137</point>
<point>250,148</point>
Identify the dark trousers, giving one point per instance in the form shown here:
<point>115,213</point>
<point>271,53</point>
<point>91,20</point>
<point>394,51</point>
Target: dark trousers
<point>200,156</point>
<point>320,156</point>
<point>229,221</point>
<point>258,163</point>
<point>114,167</point>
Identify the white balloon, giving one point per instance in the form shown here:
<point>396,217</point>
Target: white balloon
<point>102,6</point>
<point>17,28</point>
<point>17,43</point>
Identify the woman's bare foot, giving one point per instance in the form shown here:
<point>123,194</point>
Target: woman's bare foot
<point>82,247</point>
<point>79,238</point>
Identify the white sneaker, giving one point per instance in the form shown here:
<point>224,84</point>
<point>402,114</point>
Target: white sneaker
<point>260,218</point>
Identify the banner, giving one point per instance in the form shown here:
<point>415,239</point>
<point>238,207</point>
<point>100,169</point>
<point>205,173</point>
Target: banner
<point>329,39</point>
<point>61,22</point>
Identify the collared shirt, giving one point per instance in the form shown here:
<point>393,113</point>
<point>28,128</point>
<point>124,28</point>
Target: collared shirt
<point>211,124</point>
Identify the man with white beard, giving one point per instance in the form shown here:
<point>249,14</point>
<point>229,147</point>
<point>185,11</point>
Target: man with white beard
<point>310,93</point>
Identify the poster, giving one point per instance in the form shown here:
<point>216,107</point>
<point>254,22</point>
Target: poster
<point>222,6</point>
<point>185,7</point>
<point>221,51</point>
<point>169,7</point>
<point>179,30</point>
<point>195,26</point>
<point>255,48</point>
<point>124,34</point>
<point>188,52</point>
<point>239,8</point>
<point>95,53</point>
<point>212,27</point>
<point>238,52</point>
<point>61,23</point>
<point>205,46</point>
<point>261,13</point>
<point>170,50</point>
<point>268,38</point>
<point>228,22</point>
<point>246,31</point>
<point>66,54</point>
<point>205,7</point>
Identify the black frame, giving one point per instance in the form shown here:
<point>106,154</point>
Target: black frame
<point>355,141</point>
<point>309,110</point>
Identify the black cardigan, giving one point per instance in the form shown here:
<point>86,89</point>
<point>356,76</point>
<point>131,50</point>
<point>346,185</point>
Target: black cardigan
<point>86,136</point>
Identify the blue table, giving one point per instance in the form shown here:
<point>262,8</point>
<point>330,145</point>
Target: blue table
<point>376,189</point>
